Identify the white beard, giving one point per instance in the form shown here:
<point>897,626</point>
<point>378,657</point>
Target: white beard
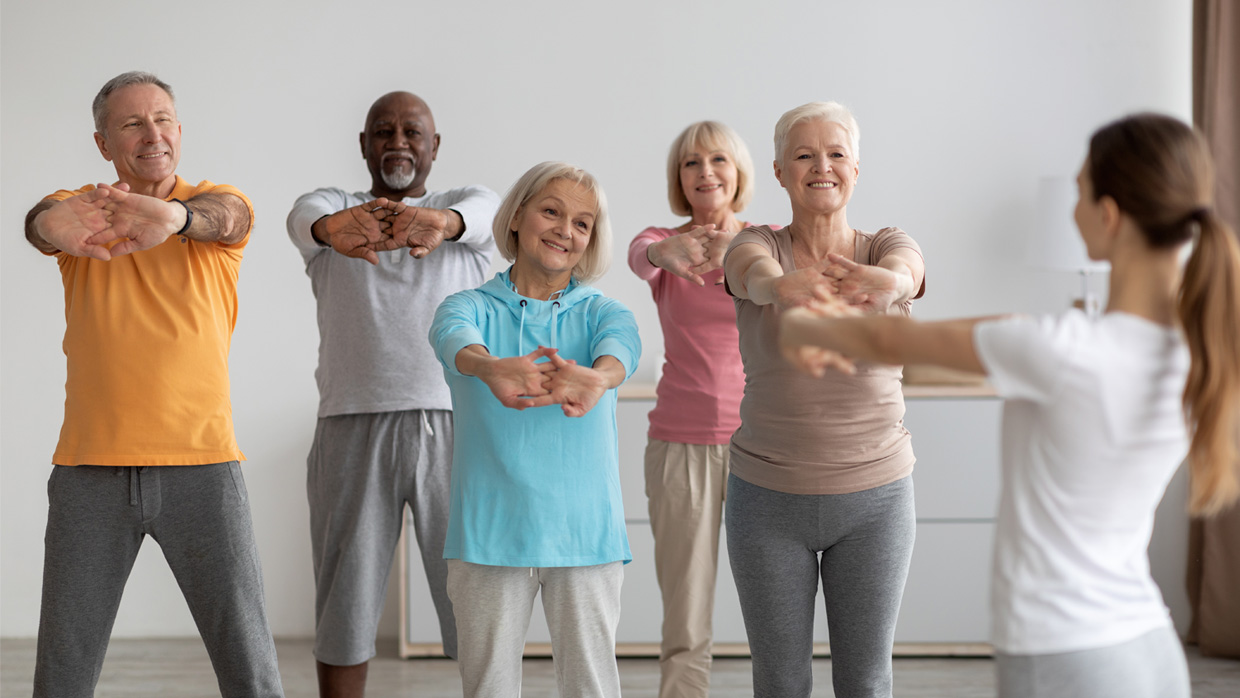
<point>398,180</point>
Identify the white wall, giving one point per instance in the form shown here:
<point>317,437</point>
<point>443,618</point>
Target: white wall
<point>963,104</point>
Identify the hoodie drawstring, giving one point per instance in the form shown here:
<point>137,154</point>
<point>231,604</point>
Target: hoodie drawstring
<point>521,332</point>
<point>555,310</point>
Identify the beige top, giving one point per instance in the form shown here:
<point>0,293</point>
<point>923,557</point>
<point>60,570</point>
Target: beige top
<point>830,435</point>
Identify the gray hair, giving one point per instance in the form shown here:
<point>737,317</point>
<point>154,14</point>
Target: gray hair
<point>134,77</point>
<point>709,134</point>
<point>817,111</point>
<point>597,257</point>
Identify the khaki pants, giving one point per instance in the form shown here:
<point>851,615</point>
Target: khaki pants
<point>685,486</point>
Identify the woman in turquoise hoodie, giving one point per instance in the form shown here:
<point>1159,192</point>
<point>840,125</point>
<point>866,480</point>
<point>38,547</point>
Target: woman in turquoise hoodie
<point>533,358</point>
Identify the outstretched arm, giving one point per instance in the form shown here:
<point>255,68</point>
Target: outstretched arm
<point>882,339</point>
<point>754,274</point>
<point>141,222</point>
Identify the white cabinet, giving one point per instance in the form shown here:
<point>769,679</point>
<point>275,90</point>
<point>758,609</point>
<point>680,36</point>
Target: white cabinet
<point>956,481</point>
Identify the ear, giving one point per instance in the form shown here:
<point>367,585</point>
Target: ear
<point>516,216</point>
<point>1110,215</point>
<point>778,173</point>
<point>361,140</point>
<point>102,144</point>
<point>857,171</point>
<point>435,148</point>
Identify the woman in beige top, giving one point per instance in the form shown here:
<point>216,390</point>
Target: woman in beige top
<point>819,485</point>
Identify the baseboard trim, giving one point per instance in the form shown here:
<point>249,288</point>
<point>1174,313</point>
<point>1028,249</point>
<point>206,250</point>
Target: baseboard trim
<point>410,650</point>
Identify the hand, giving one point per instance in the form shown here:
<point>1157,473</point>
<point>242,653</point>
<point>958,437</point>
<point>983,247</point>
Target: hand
<point>865,286</point>
<point>358,231</point>
<point>140,222</point>
<point>688,255</point>
<point>575,388</point>
<point>70,225</point>
<point>519,382</point>
<point>807,357</point>
<point>804,286</point>
<point>419,229</point>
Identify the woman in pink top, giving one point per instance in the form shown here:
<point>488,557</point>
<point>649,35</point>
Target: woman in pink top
<point>710,178</point>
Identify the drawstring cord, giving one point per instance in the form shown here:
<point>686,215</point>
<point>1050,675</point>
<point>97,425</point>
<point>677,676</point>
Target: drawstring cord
<point>521,332</point>
<point>555,309</point>
<point>426,423</point>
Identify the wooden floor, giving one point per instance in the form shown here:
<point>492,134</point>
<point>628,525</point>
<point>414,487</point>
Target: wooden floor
<point>180,669</point>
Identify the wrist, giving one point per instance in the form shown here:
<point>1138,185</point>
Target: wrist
<point>454,227</point>
<point>319,232</point>
<point>180,224</point>
<point>650,254</point>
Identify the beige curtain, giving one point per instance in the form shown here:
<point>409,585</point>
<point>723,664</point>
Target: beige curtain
<point>1214,544</point>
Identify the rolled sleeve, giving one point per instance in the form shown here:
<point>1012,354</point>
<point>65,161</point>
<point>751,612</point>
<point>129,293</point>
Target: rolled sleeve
<point>617,336</point>
<point>454,328</point>
<point>306,210</point>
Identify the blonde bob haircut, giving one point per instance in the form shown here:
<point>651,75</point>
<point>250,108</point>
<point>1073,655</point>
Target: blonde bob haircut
<point>709,136</point>
<point>597,257</point>
<point>817,111</point>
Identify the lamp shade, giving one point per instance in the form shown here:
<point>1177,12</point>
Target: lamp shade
<point>1055,244</point>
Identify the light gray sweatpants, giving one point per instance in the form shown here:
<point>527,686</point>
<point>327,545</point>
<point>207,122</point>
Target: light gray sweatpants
<point>362,471</point>
<point>493,607</point>
<point>97,519</point>
<point>1150,666</point>
<point>859,544</point>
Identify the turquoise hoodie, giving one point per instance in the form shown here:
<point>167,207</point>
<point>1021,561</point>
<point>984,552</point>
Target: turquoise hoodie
<point>533,488</point>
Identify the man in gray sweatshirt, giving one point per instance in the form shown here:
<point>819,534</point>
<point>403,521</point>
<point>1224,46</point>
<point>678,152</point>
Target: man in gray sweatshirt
<point>380,262</point>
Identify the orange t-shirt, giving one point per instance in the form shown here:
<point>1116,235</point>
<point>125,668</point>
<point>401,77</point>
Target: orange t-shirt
<point>147,337</point>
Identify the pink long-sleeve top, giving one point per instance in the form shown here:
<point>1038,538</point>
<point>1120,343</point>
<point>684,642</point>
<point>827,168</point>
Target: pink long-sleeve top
<point>699,395</point>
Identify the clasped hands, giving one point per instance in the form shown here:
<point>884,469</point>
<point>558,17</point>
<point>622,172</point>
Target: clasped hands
<point>380,225</point>
<point>83,225</point>
<point>835,287</point>
<point>694,253</point>
<point>521,382</point>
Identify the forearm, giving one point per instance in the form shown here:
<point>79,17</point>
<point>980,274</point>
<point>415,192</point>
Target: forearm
<point>906,285</point>
<point>890,339</point>
<point>33,236</point>
<point>218,218</point>
<point>757,281</point>
<point>474,360</point>
<point>611,369</point>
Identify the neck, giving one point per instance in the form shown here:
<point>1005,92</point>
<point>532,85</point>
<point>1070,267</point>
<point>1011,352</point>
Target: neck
<point>820,233</point>
<point>382,191</point>
<point>722,219</point>
<point>1144,282</point>
<point>536,283</point>
<point>159,190</point>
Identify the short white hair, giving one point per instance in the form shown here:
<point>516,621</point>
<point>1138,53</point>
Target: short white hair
<point>597,257</point>
<point>833,112</point>
<point>709,134</point>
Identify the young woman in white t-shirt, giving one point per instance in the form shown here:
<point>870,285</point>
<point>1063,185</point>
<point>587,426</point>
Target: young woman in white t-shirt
<point>1099,414</point>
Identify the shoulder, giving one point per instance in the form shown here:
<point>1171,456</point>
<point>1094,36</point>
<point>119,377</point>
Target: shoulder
<point>763,235</point>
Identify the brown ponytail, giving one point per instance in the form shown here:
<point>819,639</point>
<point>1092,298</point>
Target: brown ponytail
<point>1158,171</point>
<point>1210,313</point>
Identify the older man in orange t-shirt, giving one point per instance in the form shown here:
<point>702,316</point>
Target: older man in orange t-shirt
<point>150,267</point>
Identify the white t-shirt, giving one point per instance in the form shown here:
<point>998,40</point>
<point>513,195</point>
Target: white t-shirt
<point>1092,433</point>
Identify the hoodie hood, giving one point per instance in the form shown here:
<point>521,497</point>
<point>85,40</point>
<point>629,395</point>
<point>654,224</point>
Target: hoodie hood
<point>533,311</point>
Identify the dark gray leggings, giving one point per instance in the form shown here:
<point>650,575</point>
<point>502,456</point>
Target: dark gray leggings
<point>859,544</point>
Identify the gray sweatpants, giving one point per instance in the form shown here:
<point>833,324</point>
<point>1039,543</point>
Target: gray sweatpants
<point>97,519</point>
<point>1150,666</point>
<point>362,471</point>
<point>493,615</point>
<point>858,543</point>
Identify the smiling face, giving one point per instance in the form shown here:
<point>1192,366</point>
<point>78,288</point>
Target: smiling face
<point>142,138</point>
<point>399,145</point>
<point>819,169</point>
<point>554,228</point>
<point>708,178</point>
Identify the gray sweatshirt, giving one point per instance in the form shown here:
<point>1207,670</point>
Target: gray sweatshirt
<point>374,320</point>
